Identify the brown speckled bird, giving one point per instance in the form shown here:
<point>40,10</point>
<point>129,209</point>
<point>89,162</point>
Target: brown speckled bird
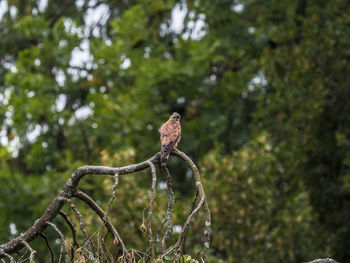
<point>170,135</point>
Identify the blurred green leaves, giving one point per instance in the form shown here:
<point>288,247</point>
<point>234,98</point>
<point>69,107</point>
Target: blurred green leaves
<point>262,87</point>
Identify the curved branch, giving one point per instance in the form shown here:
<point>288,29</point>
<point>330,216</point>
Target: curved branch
<point>63,238</point>
<point>81,224</point>
<point>69,223</point>
<point>180,242</point>
<point>50,248</point>
<point>187,223</point>
<point>4,254</point>
<point>114,192</point>
<point>31,250</point>
<point>199,186</point>
<point>68,190</point>
<point>75,242</point>
<point>87,199</point>
<point>169,213</point>
<point>150,207</point>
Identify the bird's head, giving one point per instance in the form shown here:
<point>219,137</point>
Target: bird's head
<point>175,117</point>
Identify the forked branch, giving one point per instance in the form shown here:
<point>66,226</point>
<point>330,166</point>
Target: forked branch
<point>70,189</point>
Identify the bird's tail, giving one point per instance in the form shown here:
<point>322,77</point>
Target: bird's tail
<point>164,153</point>
<point>164,160</point>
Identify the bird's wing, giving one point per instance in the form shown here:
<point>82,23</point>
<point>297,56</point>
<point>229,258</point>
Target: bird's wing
<point>169,136</point>
<point>169,133</point>
<point>178,133</point>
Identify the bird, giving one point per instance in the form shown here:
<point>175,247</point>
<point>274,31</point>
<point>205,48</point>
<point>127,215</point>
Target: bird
<point>170,135</point>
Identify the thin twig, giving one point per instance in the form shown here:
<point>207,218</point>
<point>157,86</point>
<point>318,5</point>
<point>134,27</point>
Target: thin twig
<point>31,250</point>
<point>75,242</point>
<point>106,254</point>
<point>63,238</point>
<point>81,225</point>
<point>169,213</point>
<point>187,223</point>
<point>199,186</point>
<point>69,188</point>
<point>179,243</point>
<point>193,206</point>
<point>20,260</point>
<point>12,260</point>
<point>102,247</point>
<point>159,229</point>
<point>150,207</point>
<point>50,249</point>
<point>114,192</point>
<point>95,207</point>
<point>69,223</point>
<point>105,248</point>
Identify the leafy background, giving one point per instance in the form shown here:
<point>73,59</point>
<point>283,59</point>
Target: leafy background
<point>263,88</point>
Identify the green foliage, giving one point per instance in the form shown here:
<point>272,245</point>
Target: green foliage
<point>273,218</point>
<point>189,259</point>
<point>263,91</point>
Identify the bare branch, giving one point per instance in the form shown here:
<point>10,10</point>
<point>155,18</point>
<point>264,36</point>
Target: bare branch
<point>69,223</point>
<point>169,213</point>
<point>63,238</point>
<point>57,230</point>
<point>114,191</point>
<point>323,260</point>
<point>50,249</point>
<point>75,242</point>
<point>95,207</point>
<point>81,224</point>
<point>187,223</point>
<point>199,186</point>
<point>150,207</point>
<point>2,253</point>
<point>69,188</point>
<point>32,251</point>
